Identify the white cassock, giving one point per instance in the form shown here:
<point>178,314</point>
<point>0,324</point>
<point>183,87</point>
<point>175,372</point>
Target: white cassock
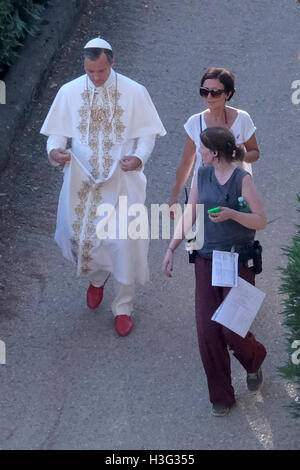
<point>104,124</point>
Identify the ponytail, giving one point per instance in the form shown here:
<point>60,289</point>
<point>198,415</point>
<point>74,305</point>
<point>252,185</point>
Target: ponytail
<point>234,153</point>
<point>221,140</point>
<point>238,154</point>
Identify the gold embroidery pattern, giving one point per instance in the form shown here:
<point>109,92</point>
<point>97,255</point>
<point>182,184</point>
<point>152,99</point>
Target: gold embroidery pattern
<point>88,227</point>
<point>84,114</point>
<point>79,211</point>
<point>90,230</point>
<point>119,127</point>
<point>101,121</point>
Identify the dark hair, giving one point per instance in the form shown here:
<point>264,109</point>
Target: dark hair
<point>93,53</point>
<point>221,140</point>
<point>225,77</point>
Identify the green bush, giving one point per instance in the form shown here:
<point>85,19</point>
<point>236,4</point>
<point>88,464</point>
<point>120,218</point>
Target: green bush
<point>17,19</point>
<point>290,288</point>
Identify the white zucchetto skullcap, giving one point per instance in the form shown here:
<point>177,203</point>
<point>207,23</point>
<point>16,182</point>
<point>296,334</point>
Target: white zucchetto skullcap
<point>98,43</point>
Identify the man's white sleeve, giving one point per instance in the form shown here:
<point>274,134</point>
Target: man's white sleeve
<point>144,147</point>
<point>55,142</point>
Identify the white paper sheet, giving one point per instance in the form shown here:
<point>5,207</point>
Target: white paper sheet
<point>240,307</point>
<point>224,269</point>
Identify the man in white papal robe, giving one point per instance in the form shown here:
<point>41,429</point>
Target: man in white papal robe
<point>112,125</point>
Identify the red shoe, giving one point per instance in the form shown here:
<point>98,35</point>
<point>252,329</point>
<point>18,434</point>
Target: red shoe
<point>94,296</point>
<point>123,325</point>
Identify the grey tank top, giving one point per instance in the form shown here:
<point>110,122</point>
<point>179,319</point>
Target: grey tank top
<point>224,235</point>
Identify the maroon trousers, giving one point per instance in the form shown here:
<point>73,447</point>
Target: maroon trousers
<point>214,339</point>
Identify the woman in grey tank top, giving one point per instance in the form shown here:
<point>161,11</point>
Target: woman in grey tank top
<point>220,182</point>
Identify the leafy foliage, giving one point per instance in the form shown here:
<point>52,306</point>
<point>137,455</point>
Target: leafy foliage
<point>17,19</point>
<point>290,288</point>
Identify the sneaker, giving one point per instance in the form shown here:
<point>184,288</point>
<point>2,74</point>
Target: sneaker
<point>219,410</point>
<point>255,380</point>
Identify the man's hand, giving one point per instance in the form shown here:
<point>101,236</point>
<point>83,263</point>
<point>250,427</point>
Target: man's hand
<point>60,156</point>
<point>130,163</point>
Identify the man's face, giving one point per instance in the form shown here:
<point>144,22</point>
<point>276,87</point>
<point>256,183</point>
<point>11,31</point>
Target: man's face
<point>98,70</point>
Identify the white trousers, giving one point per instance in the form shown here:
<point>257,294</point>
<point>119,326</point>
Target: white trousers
<point>124,293</point>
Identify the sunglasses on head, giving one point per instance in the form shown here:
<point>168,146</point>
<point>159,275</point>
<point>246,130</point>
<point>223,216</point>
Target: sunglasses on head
<point>204,92</point>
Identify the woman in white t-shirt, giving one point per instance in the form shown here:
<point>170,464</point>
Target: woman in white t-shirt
<point>216,88</point>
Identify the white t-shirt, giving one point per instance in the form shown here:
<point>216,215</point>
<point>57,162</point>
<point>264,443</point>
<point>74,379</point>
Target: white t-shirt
<point>242,129</point>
